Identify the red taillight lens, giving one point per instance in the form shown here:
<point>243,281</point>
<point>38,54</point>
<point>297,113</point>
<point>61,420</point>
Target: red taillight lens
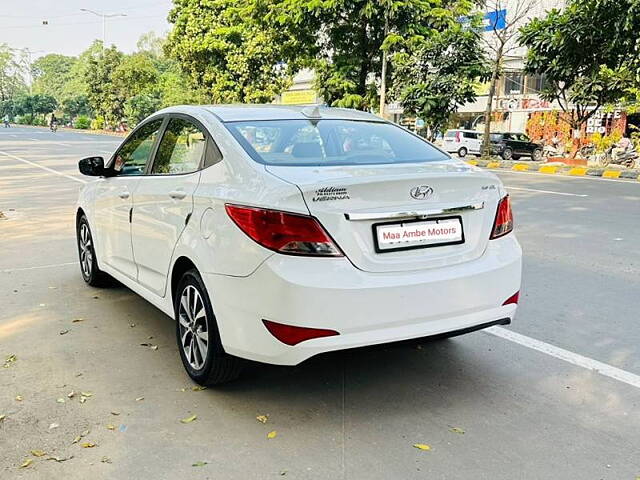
<point>503,223</point>
<point>284,232</point>
<point>512,299</point>
<point>293,335</point>
<point>458,134</point>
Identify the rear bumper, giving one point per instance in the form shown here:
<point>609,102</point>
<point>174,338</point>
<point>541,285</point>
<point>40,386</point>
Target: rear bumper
<point>365,308</point>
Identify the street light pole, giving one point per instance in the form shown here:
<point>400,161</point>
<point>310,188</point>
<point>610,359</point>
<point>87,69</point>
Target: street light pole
<point>104,17</point>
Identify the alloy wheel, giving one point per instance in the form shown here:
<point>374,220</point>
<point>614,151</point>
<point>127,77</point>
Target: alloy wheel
<point>86,250</point>
<point>194,327</point>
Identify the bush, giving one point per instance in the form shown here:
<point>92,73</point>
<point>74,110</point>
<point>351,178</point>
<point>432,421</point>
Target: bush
<point>23,119</point>
<point>97,123</point>
<point>39,121</point>
<point>82,122</point>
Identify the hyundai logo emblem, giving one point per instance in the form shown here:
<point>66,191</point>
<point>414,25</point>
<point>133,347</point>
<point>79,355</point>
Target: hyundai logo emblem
<point>422,192</point>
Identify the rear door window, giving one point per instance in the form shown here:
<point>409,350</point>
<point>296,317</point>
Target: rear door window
<point>181,148</point>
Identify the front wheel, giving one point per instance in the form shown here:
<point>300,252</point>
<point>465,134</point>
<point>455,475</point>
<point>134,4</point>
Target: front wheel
<point>87,256</point>
<point>537,155</point>
<point>507,154</point>
<point>462,152</point>
<point>197,334</point>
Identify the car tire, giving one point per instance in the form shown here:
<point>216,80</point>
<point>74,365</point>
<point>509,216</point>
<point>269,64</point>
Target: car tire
<point>198,337</point>
<point>462,152</point>
<point>536,156</point>
<point>507,154</point>
<point>91,274</point>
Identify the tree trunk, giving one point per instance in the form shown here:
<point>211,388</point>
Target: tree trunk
<point>486,140</point>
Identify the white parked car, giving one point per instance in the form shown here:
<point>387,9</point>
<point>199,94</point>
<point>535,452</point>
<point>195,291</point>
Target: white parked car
<point>462,142</point>
<point>277,233</point>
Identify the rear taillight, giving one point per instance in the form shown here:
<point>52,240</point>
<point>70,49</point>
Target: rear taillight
<point>503,223</point>
<point>284,232</point>
<point>458,134</point>
<point>292,335</point>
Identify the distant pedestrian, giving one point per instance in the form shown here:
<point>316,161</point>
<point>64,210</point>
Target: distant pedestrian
<point>6,121</point>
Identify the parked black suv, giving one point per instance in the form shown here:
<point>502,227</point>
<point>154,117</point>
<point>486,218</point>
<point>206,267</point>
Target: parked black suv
<point>510,145</point>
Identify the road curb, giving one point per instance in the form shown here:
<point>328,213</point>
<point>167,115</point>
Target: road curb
<point>557,169</point>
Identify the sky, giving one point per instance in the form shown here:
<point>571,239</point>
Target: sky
<point>70,31</point>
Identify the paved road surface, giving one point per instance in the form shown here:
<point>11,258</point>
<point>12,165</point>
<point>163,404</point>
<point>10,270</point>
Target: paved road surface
<point>528,410</point>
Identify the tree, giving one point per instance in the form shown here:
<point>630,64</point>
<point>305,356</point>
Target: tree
<point>76,106</point>
<point>30,105</point>
<point>134,74</point>
<point>500,39</point>
<point>440,75</point>
<point>584,69</point>
<point>348,39</point>
<point>102,92</point>
<point>231,49</point>
<point>51,73</point>
<point>139,107</point>
<point>11,79</point>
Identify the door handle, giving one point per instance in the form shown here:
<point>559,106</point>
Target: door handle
<point>177,194</point>
<point>124,194</point>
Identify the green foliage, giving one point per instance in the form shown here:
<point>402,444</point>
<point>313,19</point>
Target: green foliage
<point>11,78</point>
<point>139,107</point>
<point>230,49</point>
<point>82,122</point>
<point>51,73</point>
<point>440,74</point>
<point>585,67</point>
<point>104,95</point>
<point>76,105</point>
<point>28,106</point>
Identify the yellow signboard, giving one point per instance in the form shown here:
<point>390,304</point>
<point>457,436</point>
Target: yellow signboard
<point>299,97</point>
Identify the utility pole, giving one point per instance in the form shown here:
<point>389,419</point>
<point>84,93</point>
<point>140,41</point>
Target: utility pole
<point>383,80</point>
<point>104,17</point>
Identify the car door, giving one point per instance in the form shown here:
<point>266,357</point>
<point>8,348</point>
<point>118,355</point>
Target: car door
<point>473,142</point>
<point>163,202</point>
<point>114,198</point>
<point>527,145</point>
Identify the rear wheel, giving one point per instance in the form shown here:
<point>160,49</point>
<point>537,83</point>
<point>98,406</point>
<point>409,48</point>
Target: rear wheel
<point>537,155</point>
<point>507,154</point>
<point>462,152</point>
<point>87,256</point>
<point>197,334</point>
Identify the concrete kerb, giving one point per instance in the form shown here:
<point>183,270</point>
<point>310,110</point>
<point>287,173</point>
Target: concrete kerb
<point>556,168</point>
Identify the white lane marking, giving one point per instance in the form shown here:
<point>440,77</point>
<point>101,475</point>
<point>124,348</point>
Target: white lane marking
<point>573,177</point>
<point>547,191</point>
<point>21,269</point>
<point>50,170</point>
<point>569,357</point>
<point>64,144</point>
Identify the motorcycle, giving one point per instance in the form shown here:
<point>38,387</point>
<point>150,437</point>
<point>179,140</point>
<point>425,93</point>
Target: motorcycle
<point>54,127</point>
<point>628,158</point>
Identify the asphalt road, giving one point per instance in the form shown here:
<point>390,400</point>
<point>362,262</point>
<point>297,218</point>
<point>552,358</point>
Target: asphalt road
<point>522,402</point>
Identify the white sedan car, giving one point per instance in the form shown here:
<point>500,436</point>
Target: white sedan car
<point>276,233</point>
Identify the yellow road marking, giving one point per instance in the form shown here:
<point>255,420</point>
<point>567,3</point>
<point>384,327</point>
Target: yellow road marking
<point>548,169</point>
<point>578,171</point>
<point>493,164</point>
<point>520,167</point>
<point>611,173</point>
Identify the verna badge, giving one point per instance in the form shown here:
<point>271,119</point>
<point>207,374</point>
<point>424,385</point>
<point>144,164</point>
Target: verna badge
<point>422,192</point>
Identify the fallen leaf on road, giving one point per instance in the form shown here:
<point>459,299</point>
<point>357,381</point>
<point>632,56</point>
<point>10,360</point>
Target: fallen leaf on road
<point>53,425</point>
<point>60,400</point>
<point>26,463</point>
<point>51,287</point>
<point>86,394</point>
<point>38,453</point>
<point>272,434</point>
<point>77,320</point>
<point>11,359</point>
<point>199,464</point>
<point>421,446</point>
<point>154,347</point>
<point>96,296</point>
<point>105,460</point>
<point>76,440</point>
<point>131,325</point>
<point>19,398</point>
<point>2,417</point>
<point>111,427</point>
<point>64,332</point>
<point>85,433</point>
<point>115,412</point>
<point>139,399</point>
<point>457,430</point>
<point>189,419</point>
<point>87,445</point>
<point>71,394</point>
<point>83,399</point>
<point>283,473</point>
<point>198,388</point>
<point>262,418</point>
<point>60,459</point>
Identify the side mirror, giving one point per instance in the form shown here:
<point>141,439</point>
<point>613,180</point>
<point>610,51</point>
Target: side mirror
<point>92,166</point>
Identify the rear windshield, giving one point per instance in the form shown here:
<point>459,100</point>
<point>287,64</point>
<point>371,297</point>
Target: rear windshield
<point>330,142</point>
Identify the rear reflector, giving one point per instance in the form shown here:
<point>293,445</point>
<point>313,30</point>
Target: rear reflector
<point>512,299</point>
<point>503,222</point>
<point>284,232</point>
<point>294,335</point>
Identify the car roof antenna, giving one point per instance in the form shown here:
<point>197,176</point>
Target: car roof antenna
<point>312,111</point>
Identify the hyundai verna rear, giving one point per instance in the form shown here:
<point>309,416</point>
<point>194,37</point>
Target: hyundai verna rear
<point>277,233</point>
